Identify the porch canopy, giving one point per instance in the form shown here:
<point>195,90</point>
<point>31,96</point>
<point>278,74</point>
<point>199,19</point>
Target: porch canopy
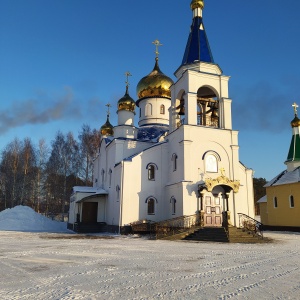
<point>83,193</point>
<point>223,181</point>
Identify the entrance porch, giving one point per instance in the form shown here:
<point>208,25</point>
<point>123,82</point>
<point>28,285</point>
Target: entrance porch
<point>214,197</point>
<point>87,210</point>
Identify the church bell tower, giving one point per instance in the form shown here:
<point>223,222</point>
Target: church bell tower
<point>200,95</point>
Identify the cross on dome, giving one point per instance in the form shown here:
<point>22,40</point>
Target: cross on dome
<point>295,105</point>
<point>127,74</point>
<point>108,107</point>
<point>157,44</point>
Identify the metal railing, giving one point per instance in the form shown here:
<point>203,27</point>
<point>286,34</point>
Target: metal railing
<point>251,225</point>
<point>184,224</point>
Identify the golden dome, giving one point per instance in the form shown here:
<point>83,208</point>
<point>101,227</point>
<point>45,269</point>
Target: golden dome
<point>126,102</point>
<point>107,128</point>
<point>156,84</point>
<point>295,122</point>
<point>197,4</point>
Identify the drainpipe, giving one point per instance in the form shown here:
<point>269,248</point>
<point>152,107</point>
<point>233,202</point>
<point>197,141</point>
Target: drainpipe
<point>234,210</point>
<point>121,197</point>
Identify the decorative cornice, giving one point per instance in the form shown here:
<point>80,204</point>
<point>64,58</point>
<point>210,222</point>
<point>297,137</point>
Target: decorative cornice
<point>222,180</point>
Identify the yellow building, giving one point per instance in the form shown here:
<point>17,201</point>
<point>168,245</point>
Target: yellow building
<point>280,208</point>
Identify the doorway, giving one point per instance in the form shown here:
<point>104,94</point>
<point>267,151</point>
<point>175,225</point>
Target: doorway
<point>89,212</point>
<point>212,211</point>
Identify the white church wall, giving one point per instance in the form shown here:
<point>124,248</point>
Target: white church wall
<point>175,191</point>
<point>125,131</point>
<point>190,199</point>
<point>115,194</point>
<point>125,117</point>
<point>174,147</point>
<point>129,191</point>
<point>72,213</point>
<point>138,188</point>
<point>100,165</point>
<point>150,111</point>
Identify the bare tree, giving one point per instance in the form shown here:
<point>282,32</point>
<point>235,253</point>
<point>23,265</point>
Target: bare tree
<point>10,169</point>
<point>28,164</point>
<point>42,157</point>
<point>89,144</point>
<point>62,163</point>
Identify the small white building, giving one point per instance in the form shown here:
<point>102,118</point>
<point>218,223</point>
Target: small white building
<point>182,159</point>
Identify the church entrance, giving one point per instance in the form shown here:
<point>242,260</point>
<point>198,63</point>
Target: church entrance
<point>89,212</point>
<point>213,211</point>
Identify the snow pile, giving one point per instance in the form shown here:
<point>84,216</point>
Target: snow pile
<point>24,218</point>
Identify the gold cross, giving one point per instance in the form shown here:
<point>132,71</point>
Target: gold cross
<point>295,107</point>
<point>108,106</point>
<point>222,172</point>
<point>157,44</point>
<point>127,74</point>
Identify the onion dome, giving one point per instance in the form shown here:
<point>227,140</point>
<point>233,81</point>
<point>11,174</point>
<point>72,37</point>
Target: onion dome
<point>197,4</point>
<point>155,84</point>
<point>126,102</point>
<point>107,128</point>
<point>295,122</point>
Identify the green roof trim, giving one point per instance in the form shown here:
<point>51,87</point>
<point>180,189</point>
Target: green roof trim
<point>294,152</point>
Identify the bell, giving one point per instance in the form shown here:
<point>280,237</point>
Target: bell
<point>181,108</point>
<point>214,114</point>
<point>181,111</point>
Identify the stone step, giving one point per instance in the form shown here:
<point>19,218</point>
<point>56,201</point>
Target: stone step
<point>209,234</point>
<point>234,235</point>
<point>238,235</point>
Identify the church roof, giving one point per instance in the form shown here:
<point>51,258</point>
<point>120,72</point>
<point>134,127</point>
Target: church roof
<point>262,199</point>
<point>88,189</point>
<point>151,132</point>
<point>294,152</point>
<point>285,177</point>
<point>197,47</point>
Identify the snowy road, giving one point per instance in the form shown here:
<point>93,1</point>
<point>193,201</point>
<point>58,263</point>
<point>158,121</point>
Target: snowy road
<point>40,266</point>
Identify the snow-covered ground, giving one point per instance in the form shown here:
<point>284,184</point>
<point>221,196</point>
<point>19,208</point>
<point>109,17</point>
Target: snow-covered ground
<point>43,265</point>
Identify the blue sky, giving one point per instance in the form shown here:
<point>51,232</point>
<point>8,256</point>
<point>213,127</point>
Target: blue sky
<point>61,61</point>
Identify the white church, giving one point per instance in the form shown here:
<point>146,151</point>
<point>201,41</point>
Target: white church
<point>182,158</point>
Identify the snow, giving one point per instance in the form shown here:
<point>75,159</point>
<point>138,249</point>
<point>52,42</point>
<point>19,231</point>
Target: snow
<point>45,265</point>
<point>24,218</point>
<point>89,189</point>
<point>262,199</point>
<point>285,177</point>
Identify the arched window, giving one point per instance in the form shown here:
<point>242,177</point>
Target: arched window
<point>151,205</point>
<point>173,205</point>
<point>162,109</point>
<point>151,167</point>
<point>102,177</point>
<point>110,176</point>
<point>174,160</point>
<point>292,203</point>
<point>148,109</point>
<point>275,202</point>
<point>118,192</point>
<point>151,172</point>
